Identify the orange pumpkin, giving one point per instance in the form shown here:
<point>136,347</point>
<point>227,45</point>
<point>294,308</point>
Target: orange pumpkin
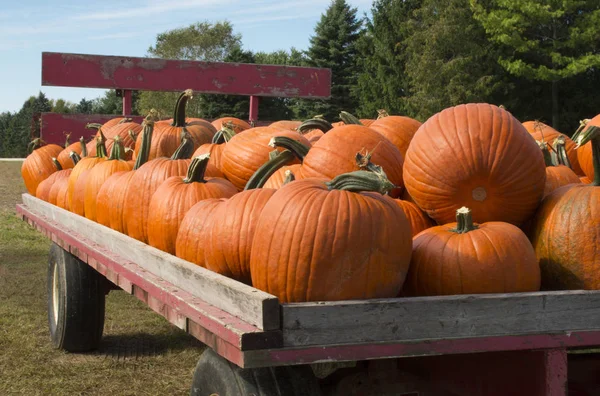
<point>64,157</point>
<point>584,153</point>
<point>398,129</point>
<point>126,131</point>
<point>466,258</point>
<point>38,165</point>
<point>479,156</point>
<point>416,217</point>
<point>340,240</point>
<point>176,196</point>
<point>286,124</point>
<point>556,175</point>
<point>231,122</point>
<point>215,149</point>
<point>43,189</point>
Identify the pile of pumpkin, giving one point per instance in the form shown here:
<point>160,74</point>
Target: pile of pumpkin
<point>471,201</point>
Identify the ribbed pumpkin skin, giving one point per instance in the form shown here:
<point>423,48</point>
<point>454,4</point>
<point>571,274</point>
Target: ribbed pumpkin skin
<point>276,180</point>
<point>109,202</point>
<point>194,231</point>
<point>335,153</point>
<point>495,258</point>
<point>167,138</point>
<point>286,124</point>
<point>313,136</point>
<point>312,244</point>
<point>584,153</point>
<point>43,189</point>
<point>77,203</point>
<point>61,183</point>
<point>61,195</point>
<point>238,125</point>
<point>121,130</point>
<point>565,235</point>
<point>215,151</point>
<point>38,166</point>
<point>172,200</point>
<point>548,134</point>
<point>585,180</point>
<point>398,129</point>
<point>79,170</point>
<point>96,179</point>
<point>142,186</point>
<point>558,176</point>
<point>417,219</point>
<point>248,151</point>
<point>233,231</point>
<point>478,156</point>
<point>63,157</point>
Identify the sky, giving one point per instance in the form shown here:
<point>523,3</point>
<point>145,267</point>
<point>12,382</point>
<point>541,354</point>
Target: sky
<point>111,27</point>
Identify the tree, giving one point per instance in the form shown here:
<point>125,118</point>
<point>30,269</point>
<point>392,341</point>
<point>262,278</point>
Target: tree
<point>16,130</point>
<point>62,106</point>
<point>334,46</point>
<point>111,103</point>
<point>84,106</point>
<point>544,41</point>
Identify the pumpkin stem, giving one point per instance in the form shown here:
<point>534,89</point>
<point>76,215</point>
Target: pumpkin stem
<point>67,136</point>
<point>132,135</point>
<point>179,114</point>
<point>289,177</point>
<point>358,181</point>
<point>592,134</point>
<point>224,135</point>
<point>35,144</point>
<point>100,145</point>
<point>142,157</point>
<point>315,123</point>
<point>93,125</point>
<point>382,113</point>
<point>464,221</point>
<point>186,148</point>
<point>195,172</point>
<point>124,120</point>
<point>364,163</point>
<point>275,162</point>
<point>299,149</point>
<point>74,157</point>
<point>582,124</point>
<point>57,164</point>
<point>560,146</point>
<point>84,152</point>
<point>118,151</point>
<point>349,119</point>
<point>547,157</point>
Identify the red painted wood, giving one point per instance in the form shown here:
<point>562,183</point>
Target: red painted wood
<point>254,101</point>
<point>555,364</point>
<point>126,102</point>
<point>96,71</point>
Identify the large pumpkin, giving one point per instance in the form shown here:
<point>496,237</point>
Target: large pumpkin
<point>286,124</point>
<point>398,129</point>
<point>76,187</point>
<point>38,165</point>
<point>43,189</point>
<point>417,219</point>
<point>556,175</point>
<point>468,258</point>
<point>64,157</point>
<point>231,122</point>
<point>176,196</point>
<point>584,153</point>
<point>126,131</point>
<point>317,242</point>
<point>566,231</point>
<point>215,148</point>
<point>479,156</point>
<point>545,133</point>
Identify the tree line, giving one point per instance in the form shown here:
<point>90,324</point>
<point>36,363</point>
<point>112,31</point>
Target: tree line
<point>540,59</point>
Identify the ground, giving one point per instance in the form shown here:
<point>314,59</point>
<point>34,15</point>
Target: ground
<point>141,353</point>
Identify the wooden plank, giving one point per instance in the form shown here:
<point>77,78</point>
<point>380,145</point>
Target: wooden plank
<point>405,319</point>
<point>251,305</point>
<point>96,71</point>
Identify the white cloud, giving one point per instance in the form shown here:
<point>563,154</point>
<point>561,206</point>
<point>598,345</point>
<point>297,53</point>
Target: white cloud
<point>149,10</point>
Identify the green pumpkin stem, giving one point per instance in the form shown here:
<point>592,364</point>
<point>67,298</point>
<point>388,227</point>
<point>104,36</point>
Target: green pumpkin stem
<point>592,134</point>
<point>57,164</point>
<point>124,120</point>
<point>560,146</point>
<point>100,145</point>
<point>179,113</point>
<point>224,135</point>
<point>67,136</point>
<point>315,123</point>
<point>118,151</point>
<point>464,221</point>
<point>93,125</point>
<point>582,124</point>
<point>382,113</point>
<point>74,157</point>
<point>277,160</point>
<point>84,152</point>
<point>186,148</point>
<point>289,177</point>
<point>349,119</point>
<point>146,143</point>
<point>297,148</point>
<point>195,172</point>
<point>358,181</point>
<point>35,144</point>
<point>546,153</point>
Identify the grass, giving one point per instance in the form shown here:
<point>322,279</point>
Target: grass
<point>141,353</point>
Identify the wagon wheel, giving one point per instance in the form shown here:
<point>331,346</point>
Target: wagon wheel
<point>76,296</point>
<point>215,376</point>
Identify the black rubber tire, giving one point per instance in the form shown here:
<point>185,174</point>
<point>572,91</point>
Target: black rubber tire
<point>75,302</point>
<point>216,376</point>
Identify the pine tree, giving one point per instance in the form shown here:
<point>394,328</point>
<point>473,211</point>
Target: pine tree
<point>544,40</point>
<point>334,46</point>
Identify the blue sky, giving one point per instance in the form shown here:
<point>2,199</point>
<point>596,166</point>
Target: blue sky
<point>110,27</point>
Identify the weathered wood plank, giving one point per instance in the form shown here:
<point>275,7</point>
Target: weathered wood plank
<point>97,71</point>
<point>422,318</point>
<point>251,305</point>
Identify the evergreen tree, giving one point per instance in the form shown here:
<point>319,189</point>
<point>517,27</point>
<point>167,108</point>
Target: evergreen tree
<point>545,41</point>
<point>334,46</point>
<point>84,106</point>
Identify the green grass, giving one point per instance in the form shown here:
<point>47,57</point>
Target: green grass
<point>141,353</point>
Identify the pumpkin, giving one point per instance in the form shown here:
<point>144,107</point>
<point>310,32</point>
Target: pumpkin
<point>146,181</point>
<point>231,122</point>
<point>417,219</point>
<point>59,186</point>
<point>314,129</point>
<point>339,240</point>
<point>193,236</point>
<point>215,149</point>
<point>232,233</point>
<point>111,197</point>
<point>565,230</point>
<point>43,189</point>
<point>545,133</point>
<point>61,194</point>
<point>286,124</point>
<point>248,151</point>
<point>99,173</point>
<point>398,129</point>
<point>76,186</point>
<point>585,180</point>
<point>584,153</point>
<point>479,156</point>
<point>556,175</point>
<point>335,154</point>
<point>64,157</point>
<point>176,196</point>
<point>38,165</point>
<point>468,258</point>
<point>127,132</point>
